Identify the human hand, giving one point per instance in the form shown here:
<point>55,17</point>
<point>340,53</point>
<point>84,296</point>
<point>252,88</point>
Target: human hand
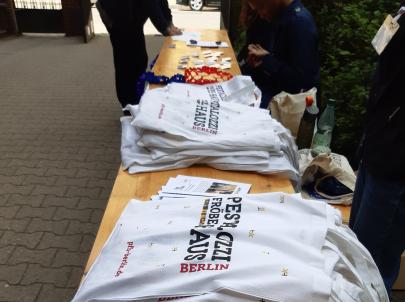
<point>174,31</point>
<point>256,50</point>
<point>254,61</point>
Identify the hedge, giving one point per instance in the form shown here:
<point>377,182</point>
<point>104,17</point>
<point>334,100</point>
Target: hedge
<point>346,29</point>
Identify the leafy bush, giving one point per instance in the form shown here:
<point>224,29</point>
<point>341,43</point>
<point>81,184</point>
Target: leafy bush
<point>348,60</point>
<point>346,29</point>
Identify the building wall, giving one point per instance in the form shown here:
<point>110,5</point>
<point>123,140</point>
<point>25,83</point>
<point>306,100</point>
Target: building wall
<point>8,21</point>
<point>73,17</point>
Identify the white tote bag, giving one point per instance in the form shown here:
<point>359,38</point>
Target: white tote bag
<point>289,109</point>
<point>316,169</point>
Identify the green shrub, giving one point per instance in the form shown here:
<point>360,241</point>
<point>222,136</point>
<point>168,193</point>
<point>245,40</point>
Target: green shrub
<point>348,60</point>
<point>346,29</point>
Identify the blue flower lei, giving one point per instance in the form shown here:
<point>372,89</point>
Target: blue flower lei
<point>151,78</point>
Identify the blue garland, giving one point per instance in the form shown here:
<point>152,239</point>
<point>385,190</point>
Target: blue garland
<point>151,78</point>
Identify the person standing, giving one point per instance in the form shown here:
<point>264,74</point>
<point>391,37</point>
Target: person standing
<point>378,213</point>
<point>256,31</point>
<point>124,20</point>
<point>288,58</point>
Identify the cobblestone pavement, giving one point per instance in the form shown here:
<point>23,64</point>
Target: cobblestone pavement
<point>59,155</point>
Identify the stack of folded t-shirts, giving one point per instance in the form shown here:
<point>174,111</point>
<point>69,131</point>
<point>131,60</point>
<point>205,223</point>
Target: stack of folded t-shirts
<point>217,125</point>
<point>271,247</point>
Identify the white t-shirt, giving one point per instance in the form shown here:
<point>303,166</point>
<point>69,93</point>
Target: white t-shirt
<point>241,89</point>
<point>162,152</point>
<point>269,247</point>
<point>169,133</point>
<point>138,159</point>
<point>206,121</point>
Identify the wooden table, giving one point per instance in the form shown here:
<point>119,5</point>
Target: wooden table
<point>169,57</point>
<point>143,186</point>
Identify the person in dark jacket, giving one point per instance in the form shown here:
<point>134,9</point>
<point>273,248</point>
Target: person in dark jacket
<point>286,58</point>
<point>256,30</point>
<point>378,214</point>
<point>125,20</point>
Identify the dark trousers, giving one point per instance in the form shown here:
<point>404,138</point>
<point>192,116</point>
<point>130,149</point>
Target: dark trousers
<point>378,219</point>
<point>130,61</point>
<point>129,49</point>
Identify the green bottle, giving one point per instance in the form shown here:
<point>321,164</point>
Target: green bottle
<point>326,123</point>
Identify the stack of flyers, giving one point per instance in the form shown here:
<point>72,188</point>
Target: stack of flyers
<point>186,36</point>
<point>208,44</point>
<point>183,186</point>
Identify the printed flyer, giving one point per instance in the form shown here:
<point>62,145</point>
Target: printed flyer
<point>187,185</point>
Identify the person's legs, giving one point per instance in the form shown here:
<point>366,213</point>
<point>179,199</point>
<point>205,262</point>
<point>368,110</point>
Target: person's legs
<point>376,220</point>
<point>394,246</point>
<point>266,98</point>
<point>129,48</point>
<point>130,60</point>
<point>358,195</point>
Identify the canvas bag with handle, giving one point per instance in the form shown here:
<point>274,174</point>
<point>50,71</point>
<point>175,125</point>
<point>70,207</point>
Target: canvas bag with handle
<point>289,109</point>
<point>334,165</point>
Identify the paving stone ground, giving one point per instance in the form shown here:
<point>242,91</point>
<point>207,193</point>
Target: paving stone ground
<point>59,155</point>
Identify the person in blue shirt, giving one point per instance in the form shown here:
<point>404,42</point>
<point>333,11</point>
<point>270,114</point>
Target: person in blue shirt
<point>287,56</point>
